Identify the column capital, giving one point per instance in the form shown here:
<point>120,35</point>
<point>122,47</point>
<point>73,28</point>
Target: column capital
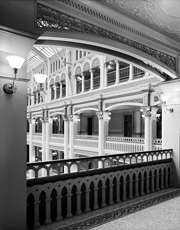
<point>30,120</point>
<point>65,118</point>
<point>99,115</point>
<point>116,61</point>
<point>70,117</point>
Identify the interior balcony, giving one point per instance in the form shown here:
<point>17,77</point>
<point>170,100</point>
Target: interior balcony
<point>62,189</point>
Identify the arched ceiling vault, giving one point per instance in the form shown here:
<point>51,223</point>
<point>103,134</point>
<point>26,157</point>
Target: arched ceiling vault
<point>113,51</point>
<point>130,25</point>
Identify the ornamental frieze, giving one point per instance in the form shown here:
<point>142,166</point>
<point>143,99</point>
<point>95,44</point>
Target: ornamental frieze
<point>49,18</point>
<point>139,100</point>
<point>119,24</point>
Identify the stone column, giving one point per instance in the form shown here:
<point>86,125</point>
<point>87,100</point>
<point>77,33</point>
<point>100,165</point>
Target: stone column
<point>48,155</point>
<point>91,84</point>
<point>66,133</point>
<point>71,136</point>
<point>147,123</point>
<point>131,72</point>
<point>55,91</point>
<point>117,71</point>
<point>30,139</point>
<point>60,89</point>
<point>75,85</point>
<point>101,133</point>
<point>82,83</point>
<point>153,121</point>
<point>48,85</point>
<point>43,136</point>
<point>105,75</point>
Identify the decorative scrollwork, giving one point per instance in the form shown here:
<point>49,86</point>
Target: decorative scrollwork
<point>49,18</point>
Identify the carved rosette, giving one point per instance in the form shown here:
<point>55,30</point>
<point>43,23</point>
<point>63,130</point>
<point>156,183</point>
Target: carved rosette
<point>50,18</point>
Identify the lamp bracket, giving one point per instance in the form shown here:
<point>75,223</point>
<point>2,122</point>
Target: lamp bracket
<point>9,88</point>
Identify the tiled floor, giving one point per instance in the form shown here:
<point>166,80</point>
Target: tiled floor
<point>164,216</point>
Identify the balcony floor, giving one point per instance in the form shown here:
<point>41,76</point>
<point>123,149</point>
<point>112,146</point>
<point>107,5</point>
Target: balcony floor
<point>159,210</point>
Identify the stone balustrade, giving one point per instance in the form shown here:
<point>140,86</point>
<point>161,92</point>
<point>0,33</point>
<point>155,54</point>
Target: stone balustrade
<point>49,201</point>
<point>59,167</point>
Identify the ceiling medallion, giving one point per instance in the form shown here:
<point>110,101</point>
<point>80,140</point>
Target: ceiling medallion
<point>147,12</point>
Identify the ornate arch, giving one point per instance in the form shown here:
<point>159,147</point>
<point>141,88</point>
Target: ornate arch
<point>95,62</point>
<point>78,70</point>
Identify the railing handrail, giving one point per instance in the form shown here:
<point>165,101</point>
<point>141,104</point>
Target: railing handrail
<point>144,153</point>
<point>56,135</point>
<point>87,137</point>
<point>37,134</point>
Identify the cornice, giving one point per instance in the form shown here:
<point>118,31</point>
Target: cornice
<point>115,22</point>
<point>50,18</point>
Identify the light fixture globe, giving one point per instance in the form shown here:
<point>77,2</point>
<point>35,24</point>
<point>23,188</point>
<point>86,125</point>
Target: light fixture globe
<point>40,78</point>
<point>15,62</point>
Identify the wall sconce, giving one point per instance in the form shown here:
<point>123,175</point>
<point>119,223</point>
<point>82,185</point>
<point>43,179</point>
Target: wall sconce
<point>15,63</point>
<point>162,98</point>
<point>40,78</point>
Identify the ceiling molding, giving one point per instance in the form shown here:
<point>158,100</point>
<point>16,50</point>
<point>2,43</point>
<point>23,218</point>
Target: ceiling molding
<point>89,9</point>
<point>50,18</point>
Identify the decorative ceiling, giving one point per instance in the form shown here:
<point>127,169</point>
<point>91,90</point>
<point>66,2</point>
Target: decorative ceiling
<point>38,55</point>
<point>162,16</point>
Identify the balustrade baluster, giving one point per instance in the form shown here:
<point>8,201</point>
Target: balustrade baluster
<point>147,184</point>
<point>59,217</point>
<point>36,214</point>
<point>111,194</point>
<point>136,187</point>
<point>103,197</point>
<point>118,193</point>
<point>152,182</point>
<point>157,181</point>
<point>48,213</point>
<point>142,186</point>
<point>95,207</point>
<point>166,179</point>
<point>78,199</point>
<point>69,214</point>
<point>124,191</point>
<point>87,209</point>
<point>130,188</point>
<point>162,179</point>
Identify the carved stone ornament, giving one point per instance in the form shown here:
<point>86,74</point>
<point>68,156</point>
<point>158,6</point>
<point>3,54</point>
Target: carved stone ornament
<point>99,115</point>
<point>49,18</point>
<point>147,11</point>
